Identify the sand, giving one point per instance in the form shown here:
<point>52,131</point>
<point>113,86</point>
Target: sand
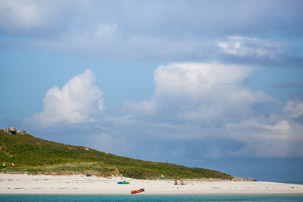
<point>77,184</point>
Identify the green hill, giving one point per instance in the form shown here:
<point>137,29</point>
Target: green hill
<point>35,155</point>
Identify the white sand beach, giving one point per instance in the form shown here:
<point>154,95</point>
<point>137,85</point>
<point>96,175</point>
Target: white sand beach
<point>77,184</point>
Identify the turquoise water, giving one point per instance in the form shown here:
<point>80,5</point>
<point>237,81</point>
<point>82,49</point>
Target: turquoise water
<point>153,198</point>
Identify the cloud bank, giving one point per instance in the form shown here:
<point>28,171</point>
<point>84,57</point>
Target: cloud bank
<point>205,108</point>
<point>211,102</point>
<point>164,31</point>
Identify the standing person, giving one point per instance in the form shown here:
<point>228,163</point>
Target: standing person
<point>162,177</point>
<point>3,165</point>
<point>13,165</point>
<point>121,176</point>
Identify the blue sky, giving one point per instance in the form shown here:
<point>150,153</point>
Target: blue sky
<point>213,84</point>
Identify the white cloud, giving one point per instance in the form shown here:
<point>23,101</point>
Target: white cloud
<point>200,91</point>
<point>245,46</point>
<point>196,79</point>
<point>77,101</point>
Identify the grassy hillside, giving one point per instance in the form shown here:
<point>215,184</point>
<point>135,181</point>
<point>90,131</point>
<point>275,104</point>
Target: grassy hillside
<point>35,155</point>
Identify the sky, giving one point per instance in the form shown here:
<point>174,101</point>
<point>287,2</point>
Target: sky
<point>213,84</point>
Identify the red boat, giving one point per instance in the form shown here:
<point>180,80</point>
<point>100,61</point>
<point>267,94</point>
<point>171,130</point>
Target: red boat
<point>137,191</point>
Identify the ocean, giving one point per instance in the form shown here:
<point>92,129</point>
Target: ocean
<point>152,198</point>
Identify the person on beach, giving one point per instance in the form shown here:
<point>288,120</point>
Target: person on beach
<point>3,165</point>
<point>13,165</point>
<point>181,182</point>
<point>162,177</point>
<point>176,182</point>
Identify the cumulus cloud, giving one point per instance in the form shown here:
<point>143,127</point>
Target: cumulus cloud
<point>77,101</point>
<point>201,91</point>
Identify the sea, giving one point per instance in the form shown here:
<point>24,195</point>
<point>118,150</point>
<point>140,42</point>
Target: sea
<point>152,198</point>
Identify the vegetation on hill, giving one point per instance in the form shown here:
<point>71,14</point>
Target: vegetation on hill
<point>35,155</point>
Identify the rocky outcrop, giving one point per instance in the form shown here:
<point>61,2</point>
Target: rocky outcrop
<point>14,131</point>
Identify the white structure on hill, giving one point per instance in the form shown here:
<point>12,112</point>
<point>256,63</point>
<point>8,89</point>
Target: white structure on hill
<point>14,131</point>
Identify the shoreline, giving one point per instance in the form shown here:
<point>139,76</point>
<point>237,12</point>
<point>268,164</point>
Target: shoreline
<point>152,194</point>
<point>15,184</point>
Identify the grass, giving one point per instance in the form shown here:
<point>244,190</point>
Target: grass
<point>93,168</point>
<point>35,155</point>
